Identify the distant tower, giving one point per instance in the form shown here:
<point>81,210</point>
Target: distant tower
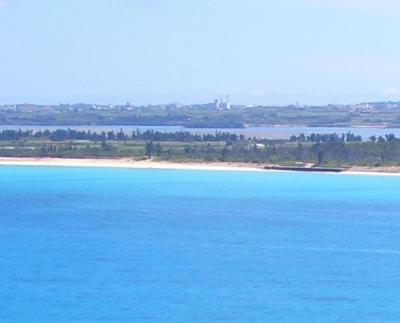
<point>217,104</point>
<point>228,103</point>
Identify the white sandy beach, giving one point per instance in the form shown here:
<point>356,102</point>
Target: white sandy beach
<point>150,164</point>
<point>126,163</point>
<point>370,172</point>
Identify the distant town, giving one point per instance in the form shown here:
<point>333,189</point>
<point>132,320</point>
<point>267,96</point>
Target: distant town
<point>219,113</point>
<point>219,104</point>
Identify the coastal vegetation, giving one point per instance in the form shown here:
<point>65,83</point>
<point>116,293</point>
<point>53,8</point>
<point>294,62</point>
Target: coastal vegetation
<point>316,149</point>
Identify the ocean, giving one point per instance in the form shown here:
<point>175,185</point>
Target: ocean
<point>124,245</point>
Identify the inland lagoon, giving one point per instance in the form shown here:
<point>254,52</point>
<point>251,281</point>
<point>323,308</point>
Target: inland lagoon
<point>137,245</point>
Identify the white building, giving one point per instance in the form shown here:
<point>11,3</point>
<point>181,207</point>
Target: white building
<point>221,105</point>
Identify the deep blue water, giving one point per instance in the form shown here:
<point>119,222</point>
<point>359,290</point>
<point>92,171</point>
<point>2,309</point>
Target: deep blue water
<point>115,245</point>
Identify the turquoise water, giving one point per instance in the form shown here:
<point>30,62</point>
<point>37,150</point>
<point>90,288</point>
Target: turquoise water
<point>115,245</point>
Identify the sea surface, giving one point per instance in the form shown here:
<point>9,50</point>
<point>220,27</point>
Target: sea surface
<point>123,245</point>
<point>272,132</point>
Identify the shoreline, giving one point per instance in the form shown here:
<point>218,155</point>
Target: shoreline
<point>150,164</point>
<point>127,163</point>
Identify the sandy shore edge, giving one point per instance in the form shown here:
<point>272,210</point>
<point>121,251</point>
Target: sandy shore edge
<point>149,164</point>
<point>126,163</point>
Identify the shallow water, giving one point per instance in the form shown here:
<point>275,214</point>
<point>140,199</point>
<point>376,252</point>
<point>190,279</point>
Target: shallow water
<point>97,245</point>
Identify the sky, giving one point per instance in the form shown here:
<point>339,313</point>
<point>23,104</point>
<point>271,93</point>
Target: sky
<point>190,51</point>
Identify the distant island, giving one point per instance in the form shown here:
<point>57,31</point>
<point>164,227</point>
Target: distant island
<point>26,136</point>
<point>310,152</point>
<point>217,114</point>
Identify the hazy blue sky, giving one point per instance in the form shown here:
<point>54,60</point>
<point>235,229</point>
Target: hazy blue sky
<point>156,51</point>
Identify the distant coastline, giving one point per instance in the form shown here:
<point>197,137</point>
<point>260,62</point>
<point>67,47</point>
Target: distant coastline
<point>151,164</point>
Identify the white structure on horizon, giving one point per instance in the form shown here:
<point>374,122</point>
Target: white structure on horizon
<point>221,105</point>
<point>228,103</point>
<point>217,103</point>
